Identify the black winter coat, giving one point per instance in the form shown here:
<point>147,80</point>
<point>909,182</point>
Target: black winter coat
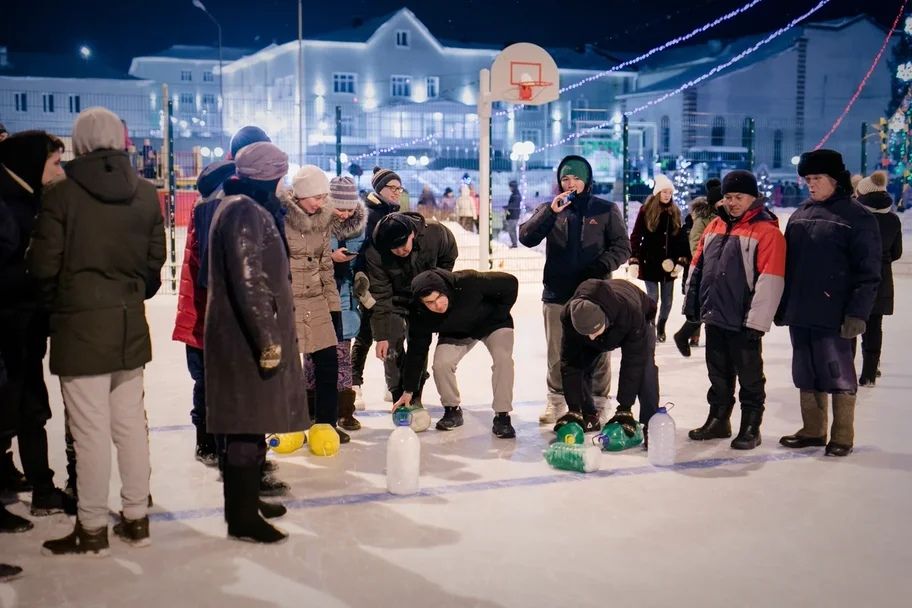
<point>514,206</point>
<point>377,209</point>
<point>17,290</point>
<point>880,203</point>
<point>588,240</point>
<point>629,312</point>
<point>250,307</point>
<point>649,248</point>
<point>391,276</point>
<point>479,304</point>
<point>833,264</point>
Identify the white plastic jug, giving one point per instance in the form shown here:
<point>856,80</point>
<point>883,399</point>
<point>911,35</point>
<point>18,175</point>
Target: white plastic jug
<point>661,451</point>
<point>403,457</point>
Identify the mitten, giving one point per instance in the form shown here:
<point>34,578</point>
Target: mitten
<point>362,290</point>
<point>668,265</point>
<point>676,271</point>
<point>633,271</point>
<point>852,327</point>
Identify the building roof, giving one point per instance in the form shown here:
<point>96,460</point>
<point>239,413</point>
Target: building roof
<point>52,65</point>
<point>360,31</point>
<point>201,53</point>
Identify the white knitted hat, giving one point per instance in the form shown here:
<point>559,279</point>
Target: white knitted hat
<point>310,180</point>
<point>662,183</point>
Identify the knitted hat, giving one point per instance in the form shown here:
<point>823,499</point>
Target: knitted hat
<point>713,191</point>
<point>244,137</point>
<point>392,231</point>
<point>382,177</point>
<point>855,179</point>
<point>741,182</point>
<point>97,129</point>
<point>662,183</point>
<point>825,162</point>
<point>576,167</point>
<point>309,181</point>
<point>876,182</point>
<point>587,316</point>
<point>213,176</point>
<point>343,193</point>
<point>261,161</point>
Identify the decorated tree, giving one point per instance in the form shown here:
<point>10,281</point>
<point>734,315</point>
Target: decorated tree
<point>901,66</point>
<point>897,158</point>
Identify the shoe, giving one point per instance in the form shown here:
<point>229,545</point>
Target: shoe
<point>591,423</point>
<point>836,449</point>
<point>660,331</point>
<point>343,436</point>
<point>682,342</point>
<point>79,542</point>
<point>749,434</point>
<point>717,426</point>
<point>502,427</point>
<point>11,478</point>
<point>205,448</point>
<point>242,507</point>
<point>270,466</point>
<point>8,572</point>
<point>134,532</point>
<point>359,399</point>
<point>271,486</point>
<point>798,441</point>
<point>868,382</point>
<point>568,418</point>
<point>870,361</point>
<point>51,501</point>
<point>346,402</point>
<point>552,412</point>
<point>71,490</point>
<point>10,523</point>
<point>452,417</point>
<point>268,510</point>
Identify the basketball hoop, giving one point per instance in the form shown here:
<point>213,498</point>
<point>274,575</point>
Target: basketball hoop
<point>527,89</point>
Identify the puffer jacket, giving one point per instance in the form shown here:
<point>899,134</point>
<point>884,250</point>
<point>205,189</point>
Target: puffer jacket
<point>313,284</point>
<point>349,234</point>
<point>702,213</point>
<point>879,203</point>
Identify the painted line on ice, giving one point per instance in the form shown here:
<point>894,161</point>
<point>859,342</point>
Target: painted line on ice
<point>482,486</point>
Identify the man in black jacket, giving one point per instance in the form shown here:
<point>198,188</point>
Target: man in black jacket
<point>512,212</point>
<point>404,245</point>
<point>586,238</point>
<point>603,316</point>
<point>464,308</point>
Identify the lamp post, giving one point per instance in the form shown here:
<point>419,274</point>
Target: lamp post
<point>198,4</point>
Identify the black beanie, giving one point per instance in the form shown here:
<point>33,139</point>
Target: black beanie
<point>586,316</point>
<point>429,281</point>
<point>392,231</point>
<point>26,153</point>
<point>382,177</point>
<point>740,181</point>
<point>713,191</point>
<point>825,162</point>
<point>244,137</point>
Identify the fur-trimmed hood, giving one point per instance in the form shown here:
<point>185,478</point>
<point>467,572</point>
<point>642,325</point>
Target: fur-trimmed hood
<point>700,207</point>
<point>301,221</point>
<point>343,230</point>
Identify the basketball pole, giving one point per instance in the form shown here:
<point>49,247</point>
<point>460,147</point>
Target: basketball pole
<point>484,169</point>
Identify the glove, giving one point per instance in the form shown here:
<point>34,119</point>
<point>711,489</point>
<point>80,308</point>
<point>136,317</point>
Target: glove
<point>625,419</point>
<point>753,335</point>
<point>668,265</point>
<point>271,357</point>
<point>852,327</point>
<point>676,271</point>
<point>633,271</point>
<point>336,316</point>
<point>362,290</point>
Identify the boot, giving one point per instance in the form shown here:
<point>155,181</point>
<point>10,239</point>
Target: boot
<point>79,542</point>
<point>267,509</point>
<point>717,425</point>
<point>269,484</point>
<point>842,435</point>
<point>343,436</point>
<point>660,330</point>
<point>134,532</point>
<point>749,435</point>
<point>695,339</point>
<point>51,500</point>
<point>452,417</point>
<point>870,362</point>
<point>8,572</point>
<point>683,338</point>
<point>205,448</point>
<point>10,523</point>
<point>359,398</point>
<point>813,431</point>
<point>347,418</point>
<point>502,427</point>
<point>11,478</point>
<point>242,506</point>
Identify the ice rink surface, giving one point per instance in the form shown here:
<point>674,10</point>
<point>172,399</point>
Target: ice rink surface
<point>494,525</point>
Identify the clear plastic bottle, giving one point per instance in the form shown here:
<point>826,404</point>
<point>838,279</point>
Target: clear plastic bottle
<point>403,456</point>
<point>421,419</point>
<point>573,457</point>
<point>661,451</point>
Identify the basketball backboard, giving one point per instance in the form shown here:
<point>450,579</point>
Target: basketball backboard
<point>524,73</point>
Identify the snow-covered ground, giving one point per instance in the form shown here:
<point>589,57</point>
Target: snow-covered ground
<point>496,526</point>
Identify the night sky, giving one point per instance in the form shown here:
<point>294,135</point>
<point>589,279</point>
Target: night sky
<point>117,31</point>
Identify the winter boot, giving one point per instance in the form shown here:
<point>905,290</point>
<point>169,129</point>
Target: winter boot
<point>347,418</point>
<point>205,448</point>
<point>452,417</point>
<point>502,427</point>
<point>10,523</point>
<point>683,338</point>
<point>269,484</point>
<point>555,407</point>
<point>79,542</point>
<point>842,435</point>
<point>267,509</point>
<point>749,435</point>
<point>813,431</point>
<point>717,425</point>
<point>359,398</point>
<point>660,330</point>
<point>242,506</point>
<point>870,362</point>
<point>134,532</point>
<point>50,500</point>
<point>343,436</point>
<point>11,478</point>
<point>8,572</point>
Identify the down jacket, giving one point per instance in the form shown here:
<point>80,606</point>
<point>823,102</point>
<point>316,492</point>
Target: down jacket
<point>349,234</point>
<point>890,228</point>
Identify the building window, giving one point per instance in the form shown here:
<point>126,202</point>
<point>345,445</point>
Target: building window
<point>665,134</point>
<point>433,87</point>
<point>777,149</point>
<point>186,76</point>
<point>400,86</point>
<point>209,100</point>
<point>533,135</point>
<point>402,39</point>
<point>343,83</point>
<point>347,126</point>
<point>208,77</point>
<point>21,102</point>
<point>747,135</point>
<point>75,105</point>
<point>717,136</point>
<point>47,102</point>
<point>186,101</point>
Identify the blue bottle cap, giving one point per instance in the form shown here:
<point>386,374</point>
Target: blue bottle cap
<point>402,416</point>
<point>661,410</point>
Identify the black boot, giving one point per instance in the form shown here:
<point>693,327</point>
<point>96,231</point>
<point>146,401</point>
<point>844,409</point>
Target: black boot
<point>242,506</point>
<point>683,338</point>
<point>660,330</point>
<point>51,500</point>
<point>205,448</point>
<point>10,523</point>
<point>267,509</point>
<point>717,425</point>
<point>8,572</point>
<point>502,427</point>
<point>452,417</point>
<point>269,484</point>
<point>870,362</point>
<point>343,436</point>
<point>11,478</point>
<point>79,542</point>
<point>749,435</point>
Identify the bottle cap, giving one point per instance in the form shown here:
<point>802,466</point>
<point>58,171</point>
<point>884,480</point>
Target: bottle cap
<point>661,410</point>
<point>402,416</point>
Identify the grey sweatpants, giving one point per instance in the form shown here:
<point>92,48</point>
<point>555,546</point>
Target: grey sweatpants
<point>554,332</point>
<point>101,409</point>
<point>448,355</point>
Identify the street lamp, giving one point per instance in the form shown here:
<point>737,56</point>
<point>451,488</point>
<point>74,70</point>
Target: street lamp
<point>85,52</point>
<point>198,4</point>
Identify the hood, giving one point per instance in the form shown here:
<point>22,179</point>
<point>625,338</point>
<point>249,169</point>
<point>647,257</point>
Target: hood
<point>25,154</point>
<point>352,227</point>
<point>98,129</point>
<point>588,189</point>
<point>436,279</point>
<point>105,174</point>
<point>374,201</point>
<point>213,176</point>
<point>877,201</point>
<point>302,221</point>
<point>700,207</point>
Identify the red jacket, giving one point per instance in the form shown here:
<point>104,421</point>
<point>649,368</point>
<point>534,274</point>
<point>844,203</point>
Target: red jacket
<point>191,299</point>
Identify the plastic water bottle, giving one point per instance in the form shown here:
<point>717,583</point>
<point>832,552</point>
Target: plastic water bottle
<point>286,443</point>
<point>403,456</point>
<point>571,433</point>
<point>614,439</point>
<point>573,457</point>
<point>324,440</point>
<point>661,451</point>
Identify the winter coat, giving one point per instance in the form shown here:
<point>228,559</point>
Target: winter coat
<point>349,234</point>
<point>98,248</point>
<point>17,290</point>
<point>737,273</point>
<point>880,203</point>
<point>427,200</point>
<point>479,304</point>
<point>377,209</point>
<point>629,312</point>
<point>649,248</point>
<point>391,276</point>
<point>701,213</point>
<point>833,264</point>
<point>465,204</point>
<point>191,297</point>
<point>249,308</point>
<point>514,206</point>
<point>313,282</point>
<point>588,240</point>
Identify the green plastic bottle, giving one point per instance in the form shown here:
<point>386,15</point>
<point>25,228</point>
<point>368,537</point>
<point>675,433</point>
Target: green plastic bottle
<point>614,439</point>
<point>571,433</point>
<point>573,457</point>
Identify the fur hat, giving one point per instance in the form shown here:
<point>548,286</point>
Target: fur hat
<point>876,182</point>
<point>244,137</point>
<point>662,183</point>
<point>310,180</point>
<point>97,129</point>
<point>825,162</point>
<point>742,182</point>
<point>382,177</point>
<point>261,161</point>
<point>343,193</point>
<point>587,316</point>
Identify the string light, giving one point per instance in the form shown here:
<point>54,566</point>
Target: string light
<point>864,81</point>
<point>394,148</point>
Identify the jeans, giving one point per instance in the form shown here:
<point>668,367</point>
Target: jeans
<point>667,293</point>
<point>196,369</point>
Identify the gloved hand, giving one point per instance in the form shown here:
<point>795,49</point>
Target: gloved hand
<point>668,265</point>
<point>852,327</point>
<point>336,316</point>
<point>676,271</point>
<point>271,357</point>
<point>625,419</point>
<point>361,288</point>
<point>753,335</point>
<point>633,271</point>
